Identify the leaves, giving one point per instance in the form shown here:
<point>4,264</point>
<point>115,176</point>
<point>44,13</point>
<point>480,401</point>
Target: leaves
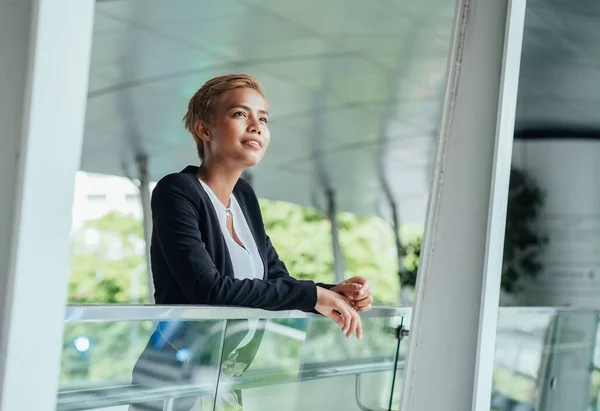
<point>524,238</point>
<point>107,258</point>
<point>412,255</point>
<point>107,254</point>
<point>302,237</point>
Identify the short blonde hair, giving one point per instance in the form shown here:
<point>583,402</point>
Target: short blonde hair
<point>203,105</point>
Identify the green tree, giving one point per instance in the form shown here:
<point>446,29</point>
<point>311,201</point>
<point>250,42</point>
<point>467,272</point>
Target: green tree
<point>302,237</point>
<point>107,258</point>
<point>412,256</point>
<point>524,238</point>
<point>107,254</point>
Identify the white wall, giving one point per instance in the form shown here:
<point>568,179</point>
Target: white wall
<point>569,172</point>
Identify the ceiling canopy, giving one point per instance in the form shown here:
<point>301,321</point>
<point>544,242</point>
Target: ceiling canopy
<point>355,88</point>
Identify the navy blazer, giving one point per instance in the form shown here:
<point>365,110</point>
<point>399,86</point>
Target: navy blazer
<point>189,256</point>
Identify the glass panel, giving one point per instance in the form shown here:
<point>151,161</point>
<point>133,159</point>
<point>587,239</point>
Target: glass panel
<point>521,343</point>
<point>568,381</point>
<point>544,360</point>
<point>402,352</point>
<point>110,363</point>
<point>595,374</point>
<point>300,362</point>
<point>288,363</point>
<point>551,253</point>
<point>551,256</point>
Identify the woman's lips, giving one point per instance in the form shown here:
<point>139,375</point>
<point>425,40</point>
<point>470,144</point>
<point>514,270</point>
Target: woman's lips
<point>253,144</point>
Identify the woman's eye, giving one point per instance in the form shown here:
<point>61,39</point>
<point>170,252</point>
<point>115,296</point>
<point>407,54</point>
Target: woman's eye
<point>264,120</point>
<point>239,113</point>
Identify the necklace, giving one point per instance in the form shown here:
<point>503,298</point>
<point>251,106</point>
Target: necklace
<point>227,212</point>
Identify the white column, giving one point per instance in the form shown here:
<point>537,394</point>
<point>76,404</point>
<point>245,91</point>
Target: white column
<point>453,327</point>
<point>45,48</point>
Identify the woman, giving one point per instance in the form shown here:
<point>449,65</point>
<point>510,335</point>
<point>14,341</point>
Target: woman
<point>209,245</point>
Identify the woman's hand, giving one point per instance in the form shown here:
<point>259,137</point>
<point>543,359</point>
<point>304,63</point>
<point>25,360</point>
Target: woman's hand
<point>357,291</point>
<point>337,307</point>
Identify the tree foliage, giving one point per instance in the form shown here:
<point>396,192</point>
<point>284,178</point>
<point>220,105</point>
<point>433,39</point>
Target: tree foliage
<point>107,258</point>
<point>524,239</point>
<point>107,254</point>
<point>411,253</point>
<point>302,237</point>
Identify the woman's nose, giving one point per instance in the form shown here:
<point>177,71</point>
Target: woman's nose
<point>254,127</point>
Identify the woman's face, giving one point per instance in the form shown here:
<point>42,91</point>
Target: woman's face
<point>239,135</point>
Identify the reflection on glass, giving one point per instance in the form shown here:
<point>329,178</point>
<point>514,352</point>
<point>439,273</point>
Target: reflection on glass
<point>522,339</point>
<point>287,363</point>
<point>543,360</point>
<point>181,353</point>
<point>121,360</point>
<point>314,359</point>
<point>553,230</point>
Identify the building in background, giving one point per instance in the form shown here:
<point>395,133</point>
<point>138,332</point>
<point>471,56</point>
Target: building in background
<point>97,194</point>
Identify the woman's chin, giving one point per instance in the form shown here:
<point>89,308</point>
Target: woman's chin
<point>250,161</point>
<point>253,158</point>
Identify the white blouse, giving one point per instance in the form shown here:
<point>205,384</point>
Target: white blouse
<point>246,260</point>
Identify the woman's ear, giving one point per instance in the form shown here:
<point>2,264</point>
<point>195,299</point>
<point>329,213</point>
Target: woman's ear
<point>202,131</point>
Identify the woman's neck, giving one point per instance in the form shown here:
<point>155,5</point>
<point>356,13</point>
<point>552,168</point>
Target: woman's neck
<point>220,180</point>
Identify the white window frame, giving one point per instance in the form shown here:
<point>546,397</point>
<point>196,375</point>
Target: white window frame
<point>453,326</point>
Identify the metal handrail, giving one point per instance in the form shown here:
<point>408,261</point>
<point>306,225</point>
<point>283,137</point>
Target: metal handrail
<point>129,312</point>
<point>130,394</point>
<point>103,313</point>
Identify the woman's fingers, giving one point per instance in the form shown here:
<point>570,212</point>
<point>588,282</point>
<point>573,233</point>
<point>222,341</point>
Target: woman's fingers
<point>352,323</point>
<point>348,290</point>
<point>356,325</point>
<point>364,308</point>
<point>357,279</point>
<point>363,303</point>
<point>361,290</point>
<point>337,318</point>
<point>363,298</point>
<point>359,329</point>
<point>339,309</point>
<point>343,307</point>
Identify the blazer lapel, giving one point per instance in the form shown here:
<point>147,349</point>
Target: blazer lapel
<point>254,230</point>
<point>213,217</point>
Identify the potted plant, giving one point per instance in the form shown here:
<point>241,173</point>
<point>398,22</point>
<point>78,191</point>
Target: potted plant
<point>524,239</point>
<point>523,242</point>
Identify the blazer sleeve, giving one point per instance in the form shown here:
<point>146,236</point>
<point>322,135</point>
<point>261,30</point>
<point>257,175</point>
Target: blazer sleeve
<point>277,269</point>
<point>175,220</point>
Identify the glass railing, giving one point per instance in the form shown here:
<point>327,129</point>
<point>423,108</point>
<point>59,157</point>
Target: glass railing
<point>546,360</point>
<point>180,358</point>
<point>205,358</point>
